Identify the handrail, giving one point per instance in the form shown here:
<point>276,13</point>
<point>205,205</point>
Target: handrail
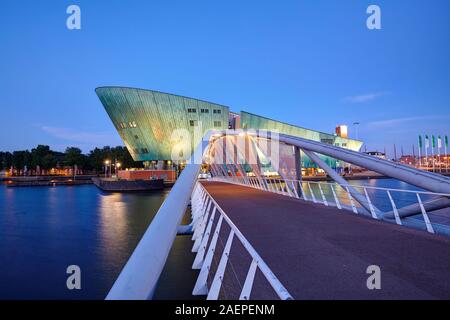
<point>419,207</point>
<point>372,158</point>
<point>140,275</point>
<point>356,186</point>
<point>375,188</point>
<point>358,157</point>
<point>257,261</point>
<point>420,178</point>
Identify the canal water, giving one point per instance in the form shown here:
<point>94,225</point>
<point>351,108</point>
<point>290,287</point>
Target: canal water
<point>43,230</point>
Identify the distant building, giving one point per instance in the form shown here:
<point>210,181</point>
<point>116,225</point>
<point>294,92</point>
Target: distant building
<point>377,154</point>
<point>408,160</point>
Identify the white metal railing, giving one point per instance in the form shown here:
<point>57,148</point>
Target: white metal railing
<point>379,200</point>
<point>205,210</point>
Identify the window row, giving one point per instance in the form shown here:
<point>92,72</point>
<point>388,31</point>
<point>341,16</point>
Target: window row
<point>194,123</point>
<point>193,110</point>
<point>140,151</point>
<point>344,145</point>
<point>131,124</point>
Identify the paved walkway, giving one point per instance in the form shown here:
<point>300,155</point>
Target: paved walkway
<point>320,252</point>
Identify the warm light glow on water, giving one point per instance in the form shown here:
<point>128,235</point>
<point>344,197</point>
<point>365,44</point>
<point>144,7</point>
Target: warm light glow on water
<point>45,229</point>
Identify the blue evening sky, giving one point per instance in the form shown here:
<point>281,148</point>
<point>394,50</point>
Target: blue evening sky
<point>309,63</point>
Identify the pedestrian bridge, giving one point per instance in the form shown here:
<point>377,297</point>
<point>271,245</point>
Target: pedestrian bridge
<point>257,236</point>
<point>308,251</point>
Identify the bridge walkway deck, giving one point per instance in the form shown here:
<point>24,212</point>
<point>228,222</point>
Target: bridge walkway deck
<point>320,252</point>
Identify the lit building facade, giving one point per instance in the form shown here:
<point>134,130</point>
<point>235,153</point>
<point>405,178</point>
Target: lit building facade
<point>146,121</point>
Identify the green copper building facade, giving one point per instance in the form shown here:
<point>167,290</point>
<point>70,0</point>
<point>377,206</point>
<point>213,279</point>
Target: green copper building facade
<point>253,121</point>
<point>146,121</point>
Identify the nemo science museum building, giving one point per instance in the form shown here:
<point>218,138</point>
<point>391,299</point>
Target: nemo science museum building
<point>146,120</point>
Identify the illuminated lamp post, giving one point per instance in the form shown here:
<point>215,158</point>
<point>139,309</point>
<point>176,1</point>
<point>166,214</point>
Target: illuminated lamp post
<point>106,167</point>
<point>117,168</point>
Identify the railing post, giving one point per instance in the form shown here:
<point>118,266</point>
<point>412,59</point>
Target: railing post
<point>200,203</point>
<point>198,208</point>
<point>266,185</point>
<point>271,186</point>
<point>201,251</point>
<point>280,185</point>
<point>394,208</point>
<point>425,215</point>
<point>252,182</point>
<point>258,180</point>
<point>338,205</point>
<point>295,190</point>
<point>325,202</point>
<point>372,211</point>
<point>201,287</point>
<point>286,187</point>
<point>351,201</point>
<point>248,284</point>
<point>199,227</point>
<point>313,197</point>
<point>213,293</point>
<point>303,191</point>
<point>276,186</point>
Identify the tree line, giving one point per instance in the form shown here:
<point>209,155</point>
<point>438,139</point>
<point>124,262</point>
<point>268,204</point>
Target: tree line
<point>44,158</point>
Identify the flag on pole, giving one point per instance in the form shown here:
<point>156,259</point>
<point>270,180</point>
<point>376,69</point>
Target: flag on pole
<point>427,142</point>
<point>433,145</point>
<point>420,151</point>
<point>439,146</point>
<point>446,154</point>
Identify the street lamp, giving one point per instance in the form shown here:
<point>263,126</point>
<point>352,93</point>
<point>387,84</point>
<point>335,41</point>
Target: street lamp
<point>106,166</point>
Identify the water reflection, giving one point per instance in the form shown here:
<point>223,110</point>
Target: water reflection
<point>113,226</point>
<point>45,229</point>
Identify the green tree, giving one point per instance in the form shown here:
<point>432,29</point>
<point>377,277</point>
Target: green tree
<point>97,157</point>
<point>120,154</point>
<point>38,154</point>
<point>73,156</point>
<point>6,160</point>
<point>20,159</point>
<point>2,161</point>
<point>49,161</point>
